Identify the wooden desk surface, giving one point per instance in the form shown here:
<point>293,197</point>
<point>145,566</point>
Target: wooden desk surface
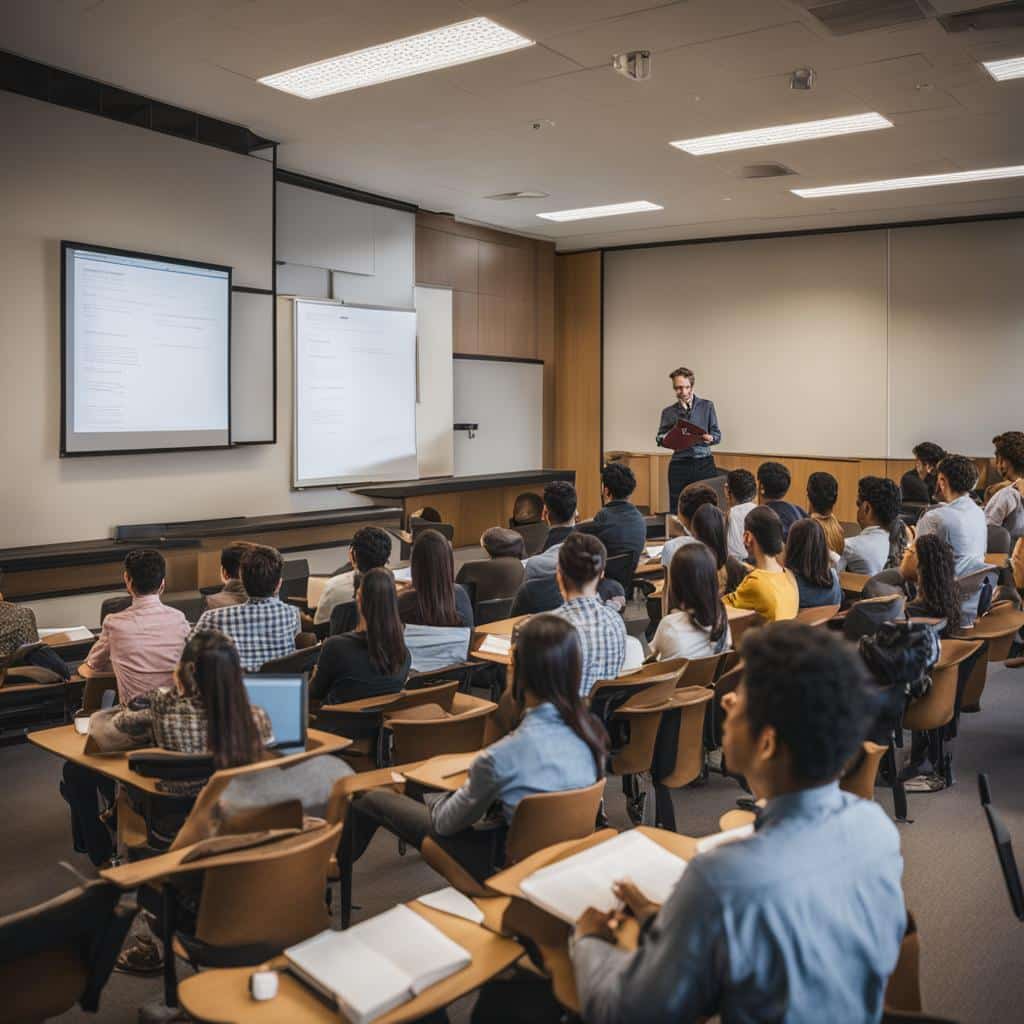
<point>222,995</point>
<point>65,742</point>
<point>853,582</point>
<point>501,627</point>
<point>445,772</point>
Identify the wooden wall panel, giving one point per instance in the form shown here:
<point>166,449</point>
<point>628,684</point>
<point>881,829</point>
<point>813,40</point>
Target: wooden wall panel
<point>465,323</point>
<point>578,373</point>
<point>464,263</point>
<point>433,257</point>
<point>544,280</point>
<point>491,314</point>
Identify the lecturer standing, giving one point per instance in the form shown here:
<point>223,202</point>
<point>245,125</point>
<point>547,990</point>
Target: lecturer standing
<point>696,463</point>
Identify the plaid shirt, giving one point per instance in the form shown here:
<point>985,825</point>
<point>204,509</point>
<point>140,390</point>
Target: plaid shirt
<point>263,628</point>
<point>174,722</point>
<point>602,638</point>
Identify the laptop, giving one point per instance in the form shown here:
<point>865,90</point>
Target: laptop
<point>285,698</point>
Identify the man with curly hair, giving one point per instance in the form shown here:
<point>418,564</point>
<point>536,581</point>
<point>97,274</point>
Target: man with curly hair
<point>883,537</point>
<point>1005,507</point>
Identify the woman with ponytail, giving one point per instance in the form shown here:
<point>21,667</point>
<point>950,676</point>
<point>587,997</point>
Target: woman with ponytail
<point>557,746</point>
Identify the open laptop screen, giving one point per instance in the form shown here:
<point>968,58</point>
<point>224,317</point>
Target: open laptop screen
<point>285,700</point>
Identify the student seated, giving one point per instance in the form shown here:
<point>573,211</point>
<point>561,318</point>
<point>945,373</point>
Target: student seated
<point>770,590</point>
<point>741,490</point>
<point>560,515</point>
<point>883,535</point>
<point>1005,508</point>
<point>233,590</point>
<point>918,485</point>
<point>803,920</point>
<point>499,542</point>
<point>264,627</point>
<point>205,708</point>
<point>370,549</point>
<point>691,497</point>
<point>527,509</point>
<point>372,660</point>
<point>558,745</point>
<point>434,599</point>
<point>696,625</point>
<point>602,633</point>
<point>17,629</point>
<point>773,482</point>
<point>142,644</point>
<point>928,570</point>
<point>619,525</point>
<point>709,527</point>
<point>807,558</point>
<point>543,595</point>
<point>822,495</point>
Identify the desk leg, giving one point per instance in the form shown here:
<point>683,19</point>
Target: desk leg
<point>168,917</point>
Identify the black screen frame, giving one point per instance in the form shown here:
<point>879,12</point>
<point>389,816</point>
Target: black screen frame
<point>67,244</point>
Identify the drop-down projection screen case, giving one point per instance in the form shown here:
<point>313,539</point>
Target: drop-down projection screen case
<point>145,352</point>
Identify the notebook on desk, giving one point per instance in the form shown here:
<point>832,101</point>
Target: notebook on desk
<point>378,964</point>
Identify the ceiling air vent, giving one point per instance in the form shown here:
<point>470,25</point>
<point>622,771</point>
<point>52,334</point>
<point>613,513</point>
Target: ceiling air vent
<point>519,195</point>
<point>766,171</point>
<point>998,16</point>
<point>845,17</point>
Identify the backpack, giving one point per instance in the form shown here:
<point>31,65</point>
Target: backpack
<point>901,656</point>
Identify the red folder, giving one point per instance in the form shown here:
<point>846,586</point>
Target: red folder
<point>683,435</point>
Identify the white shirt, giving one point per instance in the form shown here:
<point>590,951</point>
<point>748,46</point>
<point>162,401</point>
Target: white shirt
<point>867,552</point>
<point>737,516</point>
<point>678,636</point>
<point>339,589</point>
<point>673,545</point>
<point>1006,508</point>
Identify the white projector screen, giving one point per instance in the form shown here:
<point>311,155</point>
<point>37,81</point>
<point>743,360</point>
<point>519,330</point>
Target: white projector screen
<point>355,394</point>
<point>146,352</point>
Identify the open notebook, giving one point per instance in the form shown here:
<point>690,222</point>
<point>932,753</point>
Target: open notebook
<point>378,964</point>
<point>494,643</point>
<point>567,887</point>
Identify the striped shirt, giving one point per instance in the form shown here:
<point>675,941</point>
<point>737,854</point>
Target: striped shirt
<point>602,637</point>
<point>263,628</point>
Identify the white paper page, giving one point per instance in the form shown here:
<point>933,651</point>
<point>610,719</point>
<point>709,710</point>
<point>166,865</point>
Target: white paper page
<point>451,901</point>
<point>414,945</point>
<point>495,644</point>
<point>315,587</point>
<point>568,887</point>
<point>654,550</point>
<point>730,835</point>
<point>72,632</point>
<point>404,575</point>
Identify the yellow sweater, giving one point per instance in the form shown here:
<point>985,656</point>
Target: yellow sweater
<point>773,595</point>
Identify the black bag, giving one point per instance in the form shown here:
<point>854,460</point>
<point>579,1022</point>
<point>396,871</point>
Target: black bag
<point>901,655</point>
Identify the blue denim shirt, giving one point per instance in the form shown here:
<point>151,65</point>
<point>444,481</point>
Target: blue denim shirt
<point>800,923</point>
<point>702,414</point>
<point>542,755</point>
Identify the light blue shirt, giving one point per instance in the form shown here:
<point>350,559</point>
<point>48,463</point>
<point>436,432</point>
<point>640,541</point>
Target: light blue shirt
<point>865,552</point>
<point>961,523</point>
<point>542,755</point>
<point>672,546</point>
<point>542,566</point>
<point>801,923</point>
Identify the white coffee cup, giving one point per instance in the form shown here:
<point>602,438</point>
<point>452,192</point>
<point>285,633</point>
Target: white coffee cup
<point>82,724</point>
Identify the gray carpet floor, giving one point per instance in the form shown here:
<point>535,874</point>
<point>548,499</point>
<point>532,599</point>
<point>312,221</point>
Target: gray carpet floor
<point>972,953</point>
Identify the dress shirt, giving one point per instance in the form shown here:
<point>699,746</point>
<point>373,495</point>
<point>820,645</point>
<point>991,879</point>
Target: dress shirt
<point>17,627</point>
<point>542,755</point>
<point>233,592</point>
<point>866,552</point>
<point>263,628</point>
<point>670,547</point>
<point>701,413</point>
<point>1006,508</point>
<point>737,517</point>
<point>337,590</point>
<point>619,526</point>
<point>802,922</point>
<point>602,637</point>
<point>961,523</point>
<point>141,646</point>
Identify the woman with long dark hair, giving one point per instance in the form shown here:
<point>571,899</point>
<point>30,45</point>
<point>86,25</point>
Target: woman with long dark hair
<point>371,660</point>
<point>711,528</point>
<point>434,599</point>
<point>696,625</point>
<point>931,564</point>
<point>807,558</point>
<point>558,745</point>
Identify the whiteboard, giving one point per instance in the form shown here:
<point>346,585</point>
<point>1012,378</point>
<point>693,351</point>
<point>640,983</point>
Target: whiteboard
<point>355,394</point>
<point>505,398</point>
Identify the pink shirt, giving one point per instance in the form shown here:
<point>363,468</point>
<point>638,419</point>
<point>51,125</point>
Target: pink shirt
<point>141,646</point>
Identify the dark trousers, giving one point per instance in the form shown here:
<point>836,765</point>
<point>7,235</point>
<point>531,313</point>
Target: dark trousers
<point>82,788</point>
<point>682,472</point>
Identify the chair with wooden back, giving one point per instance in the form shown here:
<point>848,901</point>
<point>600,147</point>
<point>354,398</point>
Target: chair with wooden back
<point>701,671</point>
<point>999,540</point>
<point>997,629</point>
<point>61,952</point>
<point>94,690</point>
<point>679,756</point>
<point>860,779</point>
<point>428,730</point>
<point>534,537</point>
<point>539,821</point>
<point>817,616</point>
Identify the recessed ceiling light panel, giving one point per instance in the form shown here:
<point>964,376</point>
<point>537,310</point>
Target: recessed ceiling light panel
<point>1004,70</point>
<point>445,47</point>
<point>612,210</point>
<point>782,133</point>
<point>921,181</point>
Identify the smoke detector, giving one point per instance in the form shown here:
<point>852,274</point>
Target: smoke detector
<point>634,65</point>
<point>802,78</point>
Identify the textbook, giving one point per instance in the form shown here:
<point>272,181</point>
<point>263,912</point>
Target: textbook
<point>378,964</point>
<point>568,887</point>
<point>494,643</point>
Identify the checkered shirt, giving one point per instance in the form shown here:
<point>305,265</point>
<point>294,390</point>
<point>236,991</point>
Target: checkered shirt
<point>602,638</point>
<point>263,628</point>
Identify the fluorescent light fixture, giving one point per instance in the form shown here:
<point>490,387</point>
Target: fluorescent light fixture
<point>612,210</point>
<point>1004,70</point>
<point>782,133</point>
<point>922,181</point>
<point>445,47</point>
